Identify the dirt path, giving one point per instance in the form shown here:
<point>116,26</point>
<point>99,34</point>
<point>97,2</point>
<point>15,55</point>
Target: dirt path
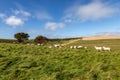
<point>70,42</point>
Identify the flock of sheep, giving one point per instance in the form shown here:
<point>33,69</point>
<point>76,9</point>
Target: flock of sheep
<point>96,47</point>
<point>102,48</point>
<point>76,47</point>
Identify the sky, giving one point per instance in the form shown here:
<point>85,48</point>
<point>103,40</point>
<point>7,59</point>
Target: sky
<point>59,18</point>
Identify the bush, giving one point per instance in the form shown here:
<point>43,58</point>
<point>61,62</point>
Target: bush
<point>40,39</point>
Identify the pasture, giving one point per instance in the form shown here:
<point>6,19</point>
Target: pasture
<point>32,62</point>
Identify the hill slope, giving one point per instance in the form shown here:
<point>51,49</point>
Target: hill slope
<point>23,62</point>
<point>100,37</point>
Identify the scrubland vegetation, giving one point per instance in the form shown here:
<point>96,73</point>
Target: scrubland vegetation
<point>32,62</point>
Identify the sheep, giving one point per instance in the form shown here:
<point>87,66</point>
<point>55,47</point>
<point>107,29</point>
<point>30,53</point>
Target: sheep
<point>98,48</point>
<point>74,47</point>
<point>57,46</point>
<point>80,47</point>
<point>38,44</point>
<point>106,48</point>
<point>85,47</point>
<point>71,47</point>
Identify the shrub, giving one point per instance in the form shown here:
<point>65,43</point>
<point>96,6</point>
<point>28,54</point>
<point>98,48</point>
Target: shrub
<point>40,39</point>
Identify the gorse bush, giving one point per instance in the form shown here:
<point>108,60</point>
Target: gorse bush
<point>40,39</point>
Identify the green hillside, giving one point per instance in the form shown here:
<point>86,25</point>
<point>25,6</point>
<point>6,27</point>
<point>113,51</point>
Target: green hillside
<point>32,62</point>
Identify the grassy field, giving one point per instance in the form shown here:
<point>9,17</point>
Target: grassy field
<point>23,62</point>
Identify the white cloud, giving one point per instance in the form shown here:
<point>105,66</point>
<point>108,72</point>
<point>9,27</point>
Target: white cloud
<point>43,16</point>
<point>18,18</point>
<point>14,21</point>
<point>68,20</point>
<point>2,15</point>
<point>53,26</point>
<point>22,12</point>
<point>92,11</point>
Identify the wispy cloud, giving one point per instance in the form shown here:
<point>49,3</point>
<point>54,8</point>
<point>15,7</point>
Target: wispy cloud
<point>22,12</point>
<point>68,20</point>
<point>91,11</point>
<point>14,21</point>
<point>42,15</point>
<point>53,25</point>
<point>2,15</point>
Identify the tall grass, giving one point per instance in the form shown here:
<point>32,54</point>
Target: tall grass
<point>22,62</point>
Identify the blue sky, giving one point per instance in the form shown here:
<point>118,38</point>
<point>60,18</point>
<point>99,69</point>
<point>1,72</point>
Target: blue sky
<point>59,18</point>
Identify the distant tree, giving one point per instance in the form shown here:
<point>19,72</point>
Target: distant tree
<point>21,36</point>
<point>40,39</point>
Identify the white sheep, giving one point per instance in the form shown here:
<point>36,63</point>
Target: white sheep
<point>57,46</point>
<point>98,48</point>
<point>80,47</point>
<point>71,47</point>
<point>74,47</point>
<point>106,48</point>
<point>38,44</point>
<point>85,47</point>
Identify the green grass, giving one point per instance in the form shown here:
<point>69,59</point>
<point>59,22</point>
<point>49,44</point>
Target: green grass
<point>22,62</point>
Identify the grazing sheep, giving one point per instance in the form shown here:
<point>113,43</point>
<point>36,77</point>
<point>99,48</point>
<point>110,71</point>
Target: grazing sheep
<point>80,47</point>
<point>71,47</point>
<point>38,44</point>
<point>85,47</point>
<point>98,48</point>
<point>74,47</point>
<point>57,46</point>
<point>106,48</point>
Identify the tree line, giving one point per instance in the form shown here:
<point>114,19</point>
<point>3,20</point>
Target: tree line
<point>21,37</point>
